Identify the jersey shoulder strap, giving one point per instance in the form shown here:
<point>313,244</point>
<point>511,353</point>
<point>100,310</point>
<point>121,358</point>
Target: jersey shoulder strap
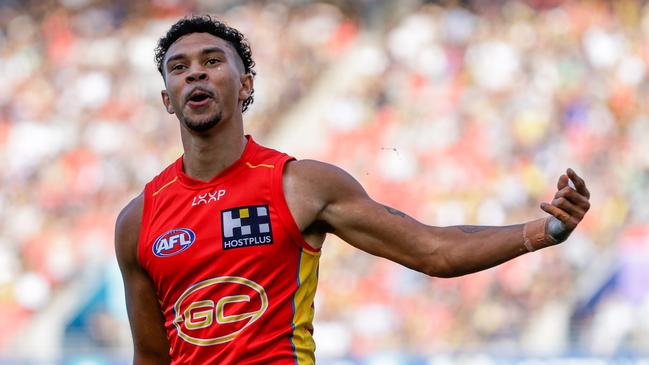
<point>154,187</point>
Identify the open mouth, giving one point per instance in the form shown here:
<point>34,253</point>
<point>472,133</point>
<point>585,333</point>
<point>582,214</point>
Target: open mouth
<point>198,98</point>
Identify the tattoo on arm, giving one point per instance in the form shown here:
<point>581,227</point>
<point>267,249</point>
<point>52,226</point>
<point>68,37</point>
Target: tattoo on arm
<point>395,211</point>
<point>472,229</point>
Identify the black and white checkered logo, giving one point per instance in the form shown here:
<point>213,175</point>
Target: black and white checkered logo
<point>246,226</point>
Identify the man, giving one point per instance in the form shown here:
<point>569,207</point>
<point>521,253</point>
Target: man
<point>219,254</point>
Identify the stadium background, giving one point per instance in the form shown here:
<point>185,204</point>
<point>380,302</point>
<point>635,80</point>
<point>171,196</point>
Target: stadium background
<point>455,112</point>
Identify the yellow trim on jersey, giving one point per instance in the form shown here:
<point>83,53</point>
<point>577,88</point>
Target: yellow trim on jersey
<point>165,185</point>
<point>260,165</point>
<point>303,343</point>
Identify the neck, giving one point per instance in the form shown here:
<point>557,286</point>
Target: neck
<point>208,154</point>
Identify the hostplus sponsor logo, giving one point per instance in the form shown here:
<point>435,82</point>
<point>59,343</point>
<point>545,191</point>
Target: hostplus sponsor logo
<point>208,197</point>
<point>246,226</point>
<point>173,242</point>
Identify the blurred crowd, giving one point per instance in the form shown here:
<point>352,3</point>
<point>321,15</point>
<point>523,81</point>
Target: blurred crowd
<point>83,128</point>
<point>468,116</point>
<point>458,115</point>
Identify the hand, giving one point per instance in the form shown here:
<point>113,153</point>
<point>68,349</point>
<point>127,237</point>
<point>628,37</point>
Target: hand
<point>568,207</point>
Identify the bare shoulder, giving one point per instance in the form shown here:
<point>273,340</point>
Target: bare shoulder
<point>314,191</point>
<point>308,168</point>
<point>127,230</point>
<point>317,180</point>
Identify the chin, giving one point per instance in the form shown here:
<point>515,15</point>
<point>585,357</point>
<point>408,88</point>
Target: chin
<point>203,124</point>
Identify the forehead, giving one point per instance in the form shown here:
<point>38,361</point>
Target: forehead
<point>195,43</point>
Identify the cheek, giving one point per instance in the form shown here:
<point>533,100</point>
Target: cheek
<point>172,105</point>
<point>174,94</point>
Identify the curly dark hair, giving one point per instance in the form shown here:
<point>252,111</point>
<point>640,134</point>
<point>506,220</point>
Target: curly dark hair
<point>207,24</point>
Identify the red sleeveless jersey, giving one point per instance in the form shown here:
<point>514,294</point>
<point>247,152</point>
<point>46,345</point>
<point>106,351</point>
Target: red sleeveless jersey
<point>233,274</point>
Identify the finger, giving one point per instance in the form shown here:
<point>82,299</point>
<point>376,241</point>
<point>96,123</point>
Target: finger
<point>561,215</point>
<point>567,206</point>
<point>574,197</point>
<point>580,184</point>
<point>562,182</point>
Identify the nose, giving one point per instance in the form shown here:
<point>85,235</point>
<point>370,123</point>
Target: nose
<point>197,74</point>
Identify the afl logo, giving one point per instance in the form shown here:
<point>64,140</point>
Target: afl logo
<point>215,311</point>
<point>172,242</point>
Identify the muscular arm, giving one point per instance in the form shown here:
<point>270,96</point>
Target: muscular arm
<point>145,316</point>
<point>329,195</point>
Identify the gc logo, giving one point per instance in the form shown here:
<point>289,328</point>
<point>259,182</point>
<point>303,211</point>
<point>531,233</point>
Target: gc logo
<point>201,321</point>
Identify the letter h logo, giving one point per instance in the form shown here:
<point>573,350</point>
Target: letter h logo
<point>246,226</point>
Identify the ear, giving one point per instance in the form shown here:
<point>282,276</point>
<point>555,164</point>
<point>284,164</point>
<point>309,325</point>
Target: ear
<point>167,102</point>
<point>246,86</point>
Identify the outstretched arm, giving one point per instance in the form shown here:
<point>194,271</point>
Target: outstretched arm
<point>346,209</point>
<point>145,316</point>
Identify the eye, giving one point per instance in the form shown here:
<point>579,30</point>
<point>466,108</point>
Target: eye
<point>212,61</point>
<point>178,66</point>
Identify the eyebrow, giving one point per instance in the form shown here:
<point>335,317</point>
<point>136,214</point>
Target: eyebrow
<point>204,51</point>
